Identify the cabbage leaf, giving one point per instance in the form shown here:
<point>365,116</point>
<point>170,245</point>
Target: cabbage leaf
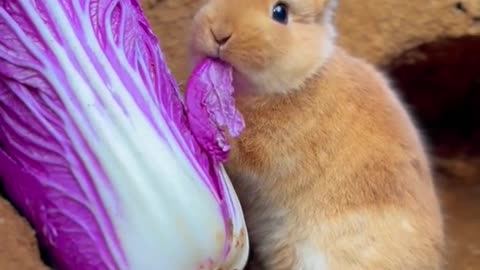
<point>97,148</point>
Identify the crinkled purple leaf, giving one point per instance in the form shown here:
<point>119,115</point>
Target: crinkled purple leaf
<point>211,107</point>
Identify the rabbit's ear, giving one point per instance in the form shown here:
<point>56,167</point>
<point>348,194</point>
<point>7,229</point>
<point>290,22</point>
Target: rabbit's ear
<point>325,9</point>
<point>315,10</point>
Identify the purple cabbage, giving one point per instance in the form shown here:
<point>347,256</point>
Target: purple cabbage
<point>97,149</point>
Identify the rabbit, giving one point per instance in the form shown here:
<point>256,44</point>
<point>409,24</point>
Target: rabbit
<point>331,169</point>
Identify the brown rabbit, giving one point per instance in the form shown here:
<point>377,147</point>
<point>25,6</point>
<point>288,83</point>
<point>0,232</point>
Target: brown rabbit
<point>330,169</point>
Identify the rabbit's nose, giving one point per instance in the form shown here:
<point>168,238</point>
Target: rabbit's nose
<point>221,37</point>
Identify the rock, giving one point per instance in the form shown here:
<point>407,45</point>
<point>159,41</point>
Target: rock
<point>381,30</point>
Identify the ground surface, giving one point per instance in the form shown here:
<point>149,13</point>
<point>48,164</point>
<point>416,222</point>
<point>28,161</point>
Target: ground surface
<point>459,185</point>
<point>461,204</point>
<point>18,247</point>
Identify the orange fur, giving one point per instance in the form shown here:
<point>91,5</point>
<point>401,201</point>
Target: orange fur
<point>331,171</point>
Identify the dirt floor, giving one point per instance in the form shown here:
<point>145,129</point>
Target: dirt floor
<point>458,180</point>
<point>462,206</point>
<point>460,197</point>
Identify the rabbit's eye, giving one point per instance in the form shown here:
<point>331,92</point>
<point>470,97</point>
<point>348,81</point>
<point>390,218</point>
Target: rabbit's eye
<point>280,13</point>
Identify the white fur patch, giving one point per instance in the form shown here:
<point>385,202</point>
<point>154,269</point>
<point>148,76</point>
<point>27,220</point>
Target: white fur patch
<point>311,258</point>
<point>407,226</point>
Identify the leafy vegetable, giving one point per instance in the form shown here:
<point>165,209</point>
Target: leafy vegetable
<point>212,107</point>
<point>97,149</point>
